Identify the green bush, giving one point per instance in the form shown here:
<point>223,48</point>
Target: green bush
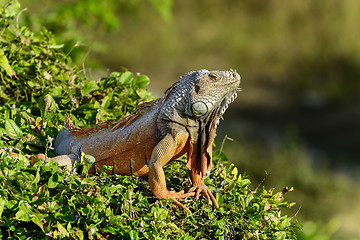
<point>39,85</point>
<point>44,200</point>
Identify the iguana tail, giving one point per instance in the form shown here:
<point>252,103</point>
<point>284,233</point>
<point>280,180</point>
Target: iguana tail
<point>64,138</point>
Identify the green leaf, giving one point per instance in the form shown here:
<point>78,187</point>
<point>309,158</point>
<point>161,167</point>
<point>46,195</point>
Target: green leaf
<point>78,233</point>
<point>88,181</point>
<point>13,9</point>
<point>2,131</point>
<point>280,235</point>
<point>234,172</point>
<point>2,94</point>
<point>286,223</point>
<point>52,183</point>
<point>37,219</point>
<point>12,130</point>
<point>2,205</point>
<point>11,204</point>
<point>88,87</point>
<point>50,107</point>
<point>4,64</point>
<point>24,213</point>
<point>141,81</point>
<point>161,213</point>
<point>125,78</point>
<point>56,46</point>
<point>107,100</point>
<point>133,235</point>
<point>37,178</point>
<point>62,230</point>
<point>56,91</point>
<point>55,179</point>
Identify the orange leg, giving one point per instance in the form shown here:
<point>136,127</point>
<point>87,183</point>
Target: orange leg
<point>199,186</point>
<point>163,152</point>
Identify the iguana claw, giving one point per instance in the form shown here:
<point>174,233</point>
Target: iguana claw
<point>202,188</point>
<point>174,196</point>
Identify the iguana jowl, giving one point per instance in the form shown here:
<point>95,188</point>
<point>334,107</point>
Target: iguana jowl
<point>183,121</point>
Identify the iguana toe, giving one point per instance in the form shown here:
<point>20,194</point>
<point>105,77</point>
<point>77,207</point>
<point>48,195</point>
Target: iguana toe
<point>205,190</point>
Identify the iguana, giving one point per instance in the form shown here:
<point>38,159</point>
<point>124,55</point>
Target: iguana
<point>157,132</point>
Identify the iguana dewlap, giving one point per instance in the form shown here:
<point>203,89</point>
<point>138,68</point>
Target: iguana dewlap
<point>183,121</point>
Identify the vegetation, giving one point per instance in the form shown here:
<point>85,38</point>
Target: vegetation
<point>39,84</point>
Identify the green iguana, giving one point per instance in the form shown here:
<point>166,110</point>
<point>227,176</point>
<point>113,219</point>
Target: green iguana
<point>157,132</point>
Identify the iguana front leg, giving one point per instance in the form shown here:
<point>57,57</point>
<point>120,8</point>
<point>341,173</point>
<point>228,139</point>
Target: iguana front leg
<point>163,152</point>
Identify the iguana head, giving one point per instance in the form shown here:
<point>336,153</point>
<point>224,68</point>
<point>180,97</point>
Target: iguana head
<point>210,91</point>
<point>201,93</point>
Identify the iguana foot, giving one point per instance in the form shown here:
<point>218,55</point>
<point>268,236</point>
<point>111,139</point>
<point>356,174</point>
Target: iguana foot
<point>202,188</point>
<point>174,196</point>
<point>62,160</point>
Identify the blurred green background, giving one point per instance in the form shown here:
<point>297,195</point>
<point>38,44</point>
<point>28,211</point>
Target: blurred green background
<point>297,120</point>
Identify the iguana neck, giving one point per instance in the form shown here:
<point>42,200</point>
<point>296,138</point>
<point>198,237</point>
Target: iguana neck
<point>175,114</point>
<point>175,99</point>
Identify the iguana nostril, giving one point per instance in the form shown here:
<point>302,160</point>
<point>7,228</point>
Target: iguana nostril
<point>199,109</point>
<point>236,75</point>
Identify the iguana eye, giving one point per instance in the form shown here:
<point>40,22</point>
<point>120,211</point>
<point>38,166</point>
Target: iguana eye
<point>213,77</point>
